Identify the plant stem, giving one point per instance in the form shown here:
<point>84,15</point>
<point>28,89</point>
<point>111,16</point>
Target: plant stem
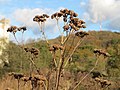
<point>16,38</point>
<point>41,29</point>
<point>79,42</point>
<point>86,74</point>
<point>58,74</point>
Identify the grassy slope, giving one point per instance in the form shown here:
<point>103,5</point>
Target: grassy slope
<point>83,58</point>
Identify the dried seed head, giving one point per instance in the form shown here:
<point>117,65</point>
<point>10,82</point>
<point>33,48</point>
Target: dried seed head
<point>101,52</point>
<point>45,15</point>
<point>41,18</point>
<point>62,11</point>
<point>79,25</point>
<point>25,78</point>
<point>71,12</point>
<point>97,79</point>
<point>61,47</point>
<point>66,11</point>
<point>22,28</point>
<point>54,15</point>
<point>35,53</point>
<point>12,29</point>
<point>60,14</point>
<point>66,27</point>
<point>74,27</point>
<point>34,50</point>
<point>81,34</point>
<point>82,22</point>
<point>51,49</point>
<point>16,75</point>
<point>83,26</point>
<point>55,47</point>
<point>74,20</point>
<point>75,14</point>
<point>26,49</point>
<point>65,19</point>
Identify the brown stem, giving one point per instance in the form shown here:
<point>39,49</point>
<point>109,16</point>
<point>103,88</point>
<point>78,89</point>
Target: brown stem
<point>70,45</point>
<point>79,42</point>
<point>62,33</point>
<point>54,59</point>
<point>59,72</point>
<point>31,59</point>
<point>18,84</point>
<point>86,74</point>
<point>41,29</point>
<point>22,39</point>
<point>16,38</point>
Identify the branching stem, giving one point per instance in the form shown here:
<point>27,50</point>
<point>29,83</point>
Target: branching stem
<point>86,74</point>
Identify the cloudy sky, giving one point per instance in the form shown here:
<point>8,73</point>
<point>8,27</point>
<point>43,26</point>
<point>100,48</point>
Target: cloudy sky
<point>94,12</point>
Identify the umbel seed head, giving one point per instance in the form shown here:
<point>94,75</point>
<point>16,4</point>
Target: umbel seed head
<point>40,18</point>
<point>81,34</point>
<point>101,52</point>
<point>12,29</point>
<point>55,47</point>
<point>66,27</point>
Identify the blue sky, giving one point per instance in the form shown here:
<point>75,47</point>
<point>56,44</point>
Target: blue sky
<point>94,12</point>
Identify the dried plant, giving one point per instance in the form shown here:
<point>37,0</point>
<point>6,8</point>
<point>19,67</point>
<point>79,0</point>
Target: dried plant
<point>17,76</point>
<point>15,29</point>
<point>99,52</point>
<point>103,83</point>
<point>96,51</point>
<point>61,52</point>
<point>40,19</point>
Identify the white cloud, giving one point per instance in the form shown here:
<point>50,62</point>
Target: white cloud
<point>104,10</point>
<point>82,4</point>
<point>4,1</point>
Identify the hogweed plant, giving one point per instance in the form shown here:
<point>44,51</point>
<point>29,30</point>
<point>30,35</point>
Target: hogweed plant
<point>72,26</point>
<point>61,52</point>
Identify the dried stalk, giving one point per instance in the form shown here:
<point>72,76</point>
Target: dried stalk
<point>54,59</point>
<point>86,74</point>
<point>16,38</point>
<point>41,30</point>
<point>62,33</point>
<point>18,84</point>
<point>70,46</point>
<point>33,63</point>
<point>79,42</point>
<point>59,72</point>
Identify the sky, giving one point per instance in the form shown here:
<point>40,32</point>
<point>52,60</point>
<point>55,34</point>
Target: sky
<point>93,12</point>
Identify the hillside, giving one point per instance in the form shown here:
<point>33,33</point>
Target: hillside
<point>82,60</point>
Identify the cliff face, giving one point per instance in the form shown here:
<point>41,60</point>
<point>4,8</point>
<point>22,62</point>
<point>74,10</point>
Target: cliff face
<point>4,40</point>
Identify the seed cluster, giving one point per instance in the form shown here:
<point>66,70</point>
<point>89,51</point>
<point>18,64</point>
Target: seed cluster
<point>35,80</point>
<point>16,75</point>
<point>103,82</point>
<point>40,18</point>
<point>101,52</point>
<point>14,29</point>
<point>76,24</point>
<point>55,47</point>
<point>32,50</point>
<point>81,34</point>
<point>65,13</point>
<point>70,17</point>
